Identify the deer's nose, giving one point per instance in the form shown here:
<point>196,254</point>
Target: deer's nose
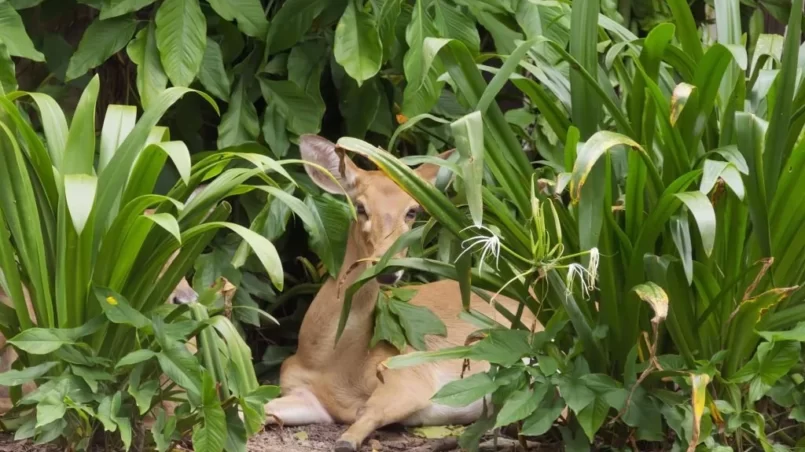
<point>389,278</point>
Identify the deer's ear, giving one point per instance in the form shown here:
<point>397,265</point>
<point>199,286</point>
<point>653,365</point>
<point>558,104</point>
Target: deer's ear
<point>324,153</point>
<point>429,171</point>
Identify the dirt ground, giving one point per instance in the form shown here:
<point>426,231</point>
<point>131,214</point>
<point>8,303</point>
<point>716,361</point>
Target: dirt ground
<point>322,438</point>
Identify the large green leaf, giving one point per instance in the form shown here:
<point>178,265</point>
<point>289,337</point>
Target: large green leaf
<point>212,74</point>
<point>17,377</point>
<point>357,44</point>
<point>101,40</point>
<point>79,192</point>
<point>462,392</point>
<point>705,216</point>
<point>291,22</point>
<point>8,74</point>
<point>12,33</point>
<point>417,322</point>
<point>210,434</point>
<point>151,77</point>
<point>240,123</point>
<point>79,151</point>
<point>249,14</point>
<point>181,37</point>
<point>114,8</point>
<point>455,22</point>
<point>521,404</point>
<point>300,110</point>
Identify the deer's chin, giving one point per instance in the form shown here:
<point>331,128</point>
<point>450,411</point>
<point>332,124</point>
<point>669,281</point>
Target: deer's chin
<point>388,279</point>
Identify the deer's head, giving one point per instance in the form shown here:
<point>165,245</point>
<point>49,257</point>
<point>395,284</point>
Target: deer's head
<point>385,211</point>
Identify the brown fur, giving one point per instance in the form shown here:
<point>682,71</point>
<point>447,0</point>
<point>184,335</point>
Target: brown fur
<point>338,382</point>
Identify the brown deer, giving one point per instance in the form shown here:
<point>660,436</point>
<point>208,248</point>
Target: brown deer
<point>329,382</point>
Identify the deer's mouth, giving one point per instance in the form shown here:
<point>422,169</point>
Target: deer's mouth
<point>389,278</point>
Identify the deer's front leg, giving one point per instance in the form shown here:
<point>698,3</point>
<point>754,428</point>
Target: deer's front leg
<point>403,393</point>
<point>300,407</point>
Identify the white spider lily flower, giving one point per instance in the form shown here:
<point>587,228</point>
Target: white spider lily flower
<point>577,271</point>
<point>488,244</point>
<point>592,268</point>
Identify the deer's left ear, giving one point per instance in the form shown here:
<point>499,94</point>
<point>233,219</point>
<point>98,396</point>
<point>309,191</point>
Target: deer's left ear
<point>429,171</point>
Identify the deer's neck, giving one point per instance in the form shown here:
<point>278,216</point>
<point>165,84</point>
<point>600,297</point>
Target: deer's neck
<point>321,321</point>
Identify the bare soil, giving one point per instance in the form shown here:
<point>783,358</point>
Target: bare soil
<point>322,437</point>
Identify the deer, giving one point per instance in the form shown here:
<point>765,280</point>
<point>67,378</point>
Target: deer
<point>328,382</point>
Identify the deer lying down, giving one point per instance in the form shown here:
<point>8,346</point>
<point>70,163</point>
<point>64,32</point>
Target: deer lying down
<point>326,384</point>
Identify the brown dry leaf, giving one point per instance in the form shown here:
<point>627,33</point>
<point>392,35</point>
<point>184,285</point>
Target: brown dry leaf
<point>301,435</point>
<point>438,431</point>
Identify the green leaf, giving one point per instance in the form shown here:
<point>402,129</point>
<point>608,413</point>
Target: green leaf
<point>541,420</point>
<point>387,327</point>
<point>136,357</point>
<point>417,321</point>
<point>210,434</point>
<point>114,8</point>
<point>79,191</point>
<point>463,392</point>
<point>117,124</point>
<point>181,37</point>
<point>455,22</point>
<point>585,105</point>
<point>79,150</point>
<point>771,362</point>
<point>179,365</point>
<point>301,112</point>
<point>387,25</point>
<point>357,44</point>
<point>163,430</point>
<point>274,131</point>
<point>212,74</point>
<point>521,404</point>
<point>15,377</point>
<point>592,150</point>
<point>143,394</point>
<point>40,341</point>
<point>504,347</point>
<point>592,417</point>
<point>249,14</point>
<point>12,33</point>
<point>239,124</point>
<point>468,132</point>
<point>705,216</point>
<point>417,358</point>
<point>776,149</point>
<point>359,105</point>
<point>151,77</point>
<point>101,40</point>
<point>8,74</point>
<point>118,310</point>
<point>50,409</point>
<point>291,22</point>
<point>796,334</point>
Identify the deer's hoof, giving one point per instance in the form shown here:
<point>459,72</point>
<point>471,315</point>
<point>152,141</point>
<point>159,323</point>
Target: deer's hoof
<point>344,446</point>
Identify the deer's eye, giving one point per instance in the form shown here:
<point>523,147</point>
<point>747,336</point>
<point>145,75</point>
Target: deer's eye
<point>412,213</point>
<point>360,209</point>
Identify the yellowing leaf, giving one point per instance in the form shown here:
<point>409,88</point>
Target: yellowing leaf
<point>699,383</point>
<point>653,294</point>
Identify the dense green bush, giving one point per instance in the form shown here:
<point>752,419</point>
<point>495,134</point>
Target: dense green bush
<point>632,181</point>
